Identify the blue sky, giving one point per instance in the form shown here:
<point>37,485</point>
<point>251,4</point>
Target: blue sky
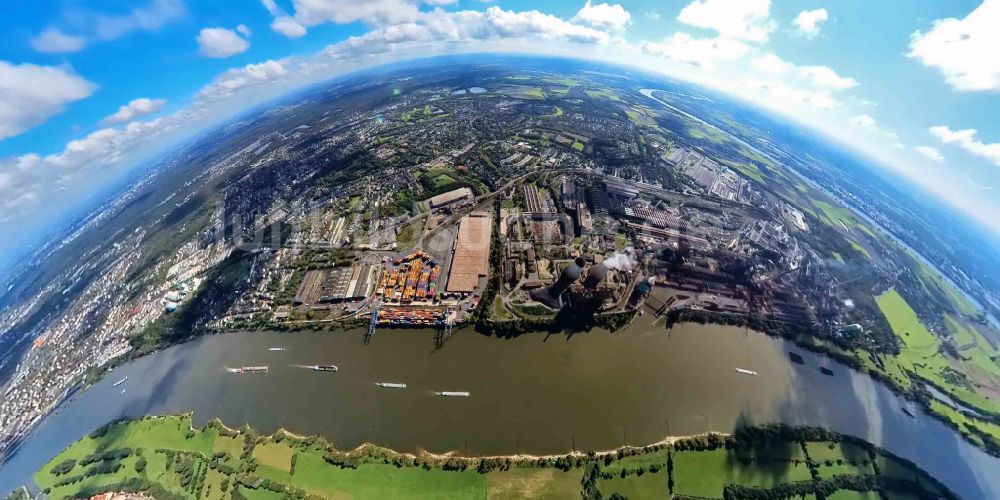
<point>89,89</point>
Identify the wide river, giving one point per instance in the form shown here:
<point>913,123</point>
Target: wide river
<point>534,394</point>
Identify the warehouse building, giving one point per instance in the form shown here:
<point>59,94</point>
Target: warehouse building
<point>471,253</point>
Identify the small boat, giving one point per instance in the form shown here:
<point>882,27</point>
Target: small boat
<point>390,385</point>
<point>123,391</point>
<point>907,411</point>
<point>276,349</point>
<point>796,358</point>
<point>120,382</point>
<point>324,368</point>
<point>745,371</point>
<point>250,369</point>
<point>826,371</point>
<point>454,394</point>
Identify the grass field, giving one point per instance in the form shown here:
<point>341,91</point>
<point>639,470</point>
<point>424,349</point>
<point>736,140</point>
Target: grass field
<point>705,473</point>
<point>839,458</point>
<point>499,311</point>
<point>603,93</point>
<point>277,455</point>
<point>543,484</point>
<point>201,464</point>
<point>410,233</point>
<point>921,353</point>
<point>648,485</point>
<point>316,476</point>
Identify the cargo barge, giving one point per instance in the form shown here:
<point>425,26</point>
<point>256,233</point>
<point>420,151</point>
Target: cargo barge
<point>390,385</point>
<point>249,369</point>
<point>454,394</point>
<point>120,382</point>
<point>324,368</point>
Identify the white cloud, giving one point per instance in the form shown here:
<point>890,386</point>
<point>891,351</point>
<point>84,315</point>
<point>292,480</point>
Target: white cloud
<point>771,64</point>
<point>930,152</point>
<point>963,50</point>
<point>243,30</point>
<point>220,42</point>
<point>31,94</point>
<point>966,139</point>
<point>53,40</point>
<point>134,109</point>
<point>288,26</point>
<point>272,8</point>
<point>238,79</point>
<point>808,21</point>
<point>56,179</point>
<point>704,52</point>
<point>824,76</point>
<point>653,15</point>
<point>283,23</point>
<point>864,121</point>
<point>372,12</point>
<point>747,20</point>
<point>604,15</point>
<point>94,25</point>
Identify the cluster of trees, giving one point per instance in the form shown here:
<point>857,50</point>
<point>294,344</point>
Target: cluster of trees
<point>63,467</point>
<point>115,454</point>
<point>823,488</point>
<point>101,468</point>
<point>591,473</point>
<point>637,471</point>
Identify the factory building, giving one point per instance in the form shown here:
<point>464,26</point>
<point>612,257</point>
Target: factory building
<point>471,253</point>
<point>451,197</point>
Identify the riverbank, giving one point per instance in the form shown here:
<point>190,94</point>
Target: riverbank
<point>168,455</point>
<point>981,432</point>
<point>555,394</point>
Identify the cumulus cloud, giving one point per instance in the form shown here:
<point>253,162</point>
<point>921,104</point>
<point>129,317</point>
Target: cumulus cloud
<point>31,94</point>
<point>930,152</point>
<point>221,42</point>
<point>30,179</point>
<point>283,23</point>
<point>824,76</point>
<point>747,20</point>
<point>53,40</point>
<point>808,21</point>
<point>288,26</point>
<point>604,15</point>
<point>372,12</point>
<point>91,25</point>
<point>864,121</point>
<point>134,109</point>
<point>966,139</point>
<point>963,50</point>
<point>771,64</point>
<point>238,79</point>
<point>272,8</point>
<point>704,52</point>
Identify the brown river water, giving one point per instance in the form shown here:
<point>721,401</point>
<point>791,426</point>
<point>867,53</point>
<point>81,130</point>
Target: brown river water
<point>536,394</point>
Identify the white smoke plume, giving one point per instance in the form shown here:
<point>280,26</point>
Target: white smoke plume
<point>621,261</point>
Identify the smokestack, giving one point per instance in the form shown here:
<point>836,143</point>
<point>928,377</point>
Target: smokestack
<point>595,276</point>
